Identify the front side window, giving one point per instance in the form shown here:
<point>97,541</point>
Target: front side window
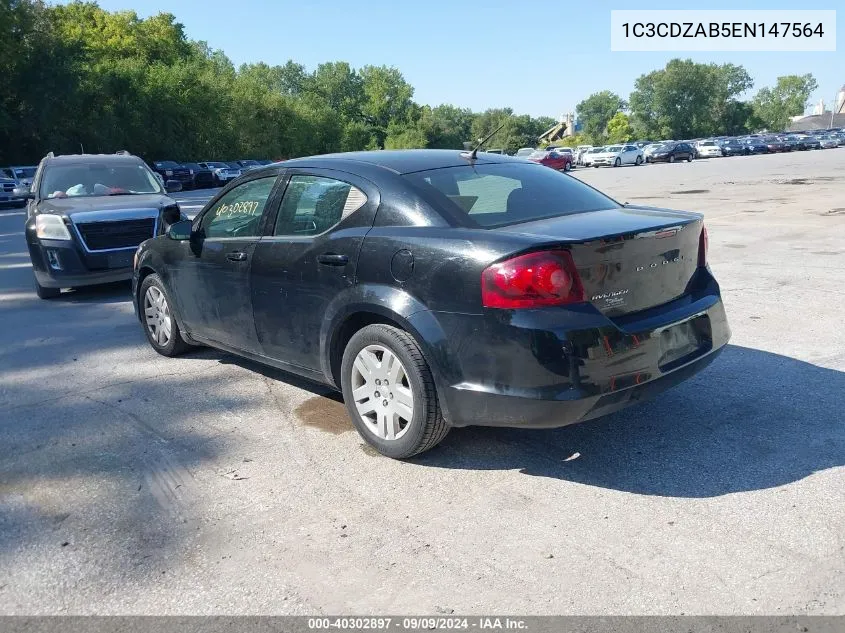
<point>238,213</point>
<point>98,179</point>
<point>313,204</point>
<point>502,194</point>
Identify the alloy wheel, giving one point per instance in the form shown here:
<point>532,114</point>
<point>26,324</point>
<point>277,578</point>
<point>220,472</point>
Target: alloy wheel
<point>157,315</point>
<point>382,392</point>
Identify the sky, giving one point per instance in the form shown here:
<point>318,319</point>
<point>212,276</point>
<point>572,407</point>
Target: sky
<point>536,56</point>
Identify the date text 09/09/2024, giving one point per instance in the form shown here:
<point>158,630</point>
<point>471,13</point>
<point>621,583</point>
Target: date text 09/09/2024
<point>723,29</point>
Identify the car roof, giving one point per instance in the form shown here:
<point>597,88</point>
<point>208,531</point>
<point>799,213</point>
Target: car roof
<point>88,158</point>
<point>402,161</point>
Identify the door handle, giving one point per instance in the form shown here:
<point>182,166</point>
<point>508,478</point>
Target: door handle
<point>333,259</point>
<point>236,256</point>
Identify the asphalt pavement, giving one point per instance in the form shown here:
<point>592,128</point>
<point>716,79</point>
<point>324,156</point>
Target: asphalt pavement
<point>135,484</point>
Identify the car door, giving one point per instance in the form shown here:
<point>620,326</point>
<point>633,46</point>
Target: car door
<point>212,276</point>
<point>307,259</point>
<point>630,155</point>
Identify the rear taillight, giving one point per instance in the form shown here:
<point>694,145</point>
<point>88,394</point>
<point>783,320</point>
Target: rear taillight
<point>547,278</point>
<point>703,244</point>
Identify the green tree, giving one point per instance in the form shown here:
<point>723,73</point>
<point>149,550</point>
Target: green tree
<point>775,106</point>
<point>687,99</point>
<point>596,111</point>
<point>619,129</point>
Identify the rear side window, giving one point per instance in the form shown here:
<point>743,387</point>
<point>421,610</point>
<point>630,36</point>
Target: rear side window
<point>497,195</point>
<point>313,204</point>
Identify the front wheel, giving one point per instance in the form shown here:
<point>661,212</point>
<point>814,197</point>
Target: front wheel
<point>158,318</point>
<point>567,166</point>
<point>672,158</point>
<point>617,162</point>
<point>389,392</point>
<point>689,158</point>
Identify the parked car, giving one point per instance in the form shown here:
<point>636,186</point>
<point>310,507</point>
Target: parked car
<point>811,142</point>
<point>707,149</point>
<point>21,175</point>
<point>588,155</point>
<point>222,172</point>
<point>86,216</point>
<point>579,153</point>
<point>246,165</point>
<point>617,155</point>
<point>829,142</point>
<point>649,149</point>
<point>171,170</point>
<point>524,151</point>
<point>774,144</point>
<point>794,143</point>
<point>11,193</point>
<point>672,152</point>
<point>734,147</point>
<point>756,145</point>
<point>492,313</point>
<point>201,177</point>
<point>562,161</point>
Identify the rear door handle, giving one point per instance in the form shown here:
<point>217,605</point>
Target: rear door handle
<point>236,256</point>
<point>333,259</point>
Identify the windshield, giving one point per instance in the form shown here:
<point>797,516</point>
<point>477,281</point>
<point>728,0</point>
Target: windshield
<point>98,179</point>
<point>707,144</point>
<point>217,166</point>
<point>167,164</point>
<point>500,194</point>
<point>24,172</point>
<point>614,148</point>
<point>525,151</point>
<point>540,153</point>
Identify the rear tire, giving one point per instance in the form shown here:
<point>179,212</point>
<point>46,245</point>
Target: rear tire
<point>689,158</point>
<point>639,161</point>
<point>672,158</point>
<point>567,167</point>
<point>46,293</point>
<point>379,408</point>
<point>159,318</point>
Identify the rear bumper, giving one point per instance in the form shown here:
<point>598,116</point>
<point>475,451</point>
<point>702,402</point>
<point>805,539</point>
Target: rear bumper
<point>556,366</point>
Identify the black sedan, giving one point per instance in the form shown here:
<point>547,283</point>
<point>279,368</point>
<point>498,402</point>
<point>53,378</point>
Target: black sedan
<point>734,147</point>
<point>756,145</point>
<point>672,152</point>
<point>435,289</point>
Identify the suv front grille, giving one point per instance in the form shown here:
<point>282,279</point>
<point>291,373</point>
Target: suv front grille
<point>8,186</point>
<point>99,236</point>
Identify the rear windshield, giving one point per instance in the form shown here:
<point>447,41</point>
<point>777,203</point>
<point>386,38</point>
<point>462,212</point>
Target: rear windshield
<point>502,194</point>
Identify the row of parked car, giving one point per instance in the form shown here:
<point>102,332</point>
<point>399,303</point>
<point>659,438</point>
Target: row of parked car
<point>207,174</point>
<point>639,152</point>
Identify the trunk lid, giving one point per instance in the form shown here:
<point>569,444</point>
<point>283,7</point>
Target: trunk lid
<point>629,258</point>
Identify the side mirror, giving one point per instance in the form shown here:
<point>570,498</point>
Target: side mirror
<point>180,230</point>
<point>172,186</point>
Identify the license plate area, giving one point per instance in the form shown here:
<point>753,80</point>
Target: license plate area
<point>122,259</point>
<point>683,341</point>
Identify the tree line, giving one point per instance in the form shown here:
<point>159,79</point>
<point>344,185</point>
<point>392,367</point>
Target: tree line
<point>688,100</point>
<point>79,77</point>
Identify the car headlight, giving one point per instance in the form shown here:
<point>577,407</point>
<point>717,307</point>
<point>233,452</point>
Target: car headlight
<point>168,172</point>
<point>50,227</point>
